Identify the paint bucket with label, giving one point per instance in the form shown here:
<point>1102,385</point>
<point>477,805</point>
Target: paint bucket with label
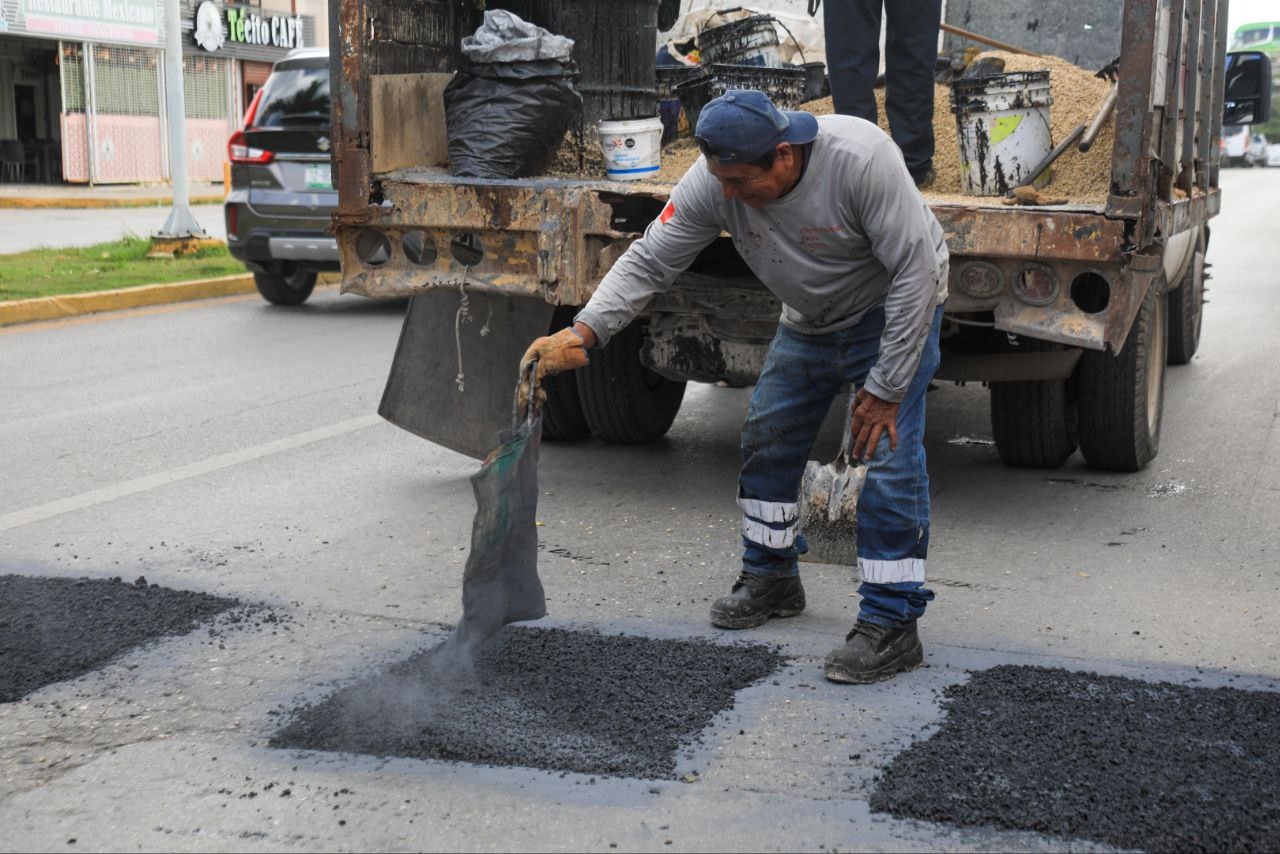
<point>1003,124</point>
<point>632,149</point>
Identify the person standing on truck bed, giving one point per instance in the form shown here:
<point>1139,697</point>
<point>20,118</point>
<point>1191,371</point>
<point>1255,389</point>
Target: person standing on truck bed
<point>825,213</point>
<point>852,28</point>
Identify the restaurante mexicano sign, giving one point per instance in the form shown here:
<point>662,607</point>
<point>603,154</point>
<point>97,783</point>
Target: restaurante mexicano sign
<point>106,20</point>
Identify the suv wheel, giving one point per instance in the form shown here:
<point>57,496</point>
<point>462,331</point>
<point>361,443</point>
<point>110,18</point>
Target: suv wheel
<point>285,288</point>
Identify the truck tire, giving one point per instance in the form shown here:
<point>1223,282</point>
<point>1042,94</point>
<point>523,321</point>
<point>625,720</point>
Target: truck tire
<point>562,416</point>
<point>1121,397</point>
<point>1034,422</point>
<point>624,402</point>
<point>285,288</point>
<point>1186,308</point>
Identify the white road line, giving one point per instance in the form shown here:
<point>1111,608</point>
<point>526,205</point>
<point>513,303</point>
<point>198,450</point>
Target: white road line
<point>173,475</point>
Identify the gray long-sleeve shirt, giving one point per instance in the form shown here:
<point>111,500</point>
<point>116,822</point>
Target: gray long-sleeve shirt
<point>853,234</point>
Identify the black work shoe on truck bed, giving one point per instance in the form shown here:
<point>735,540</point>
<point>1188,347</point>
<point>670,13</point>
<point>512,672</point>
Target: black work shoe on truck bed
<point>872,653</point>
<point>756,598</point>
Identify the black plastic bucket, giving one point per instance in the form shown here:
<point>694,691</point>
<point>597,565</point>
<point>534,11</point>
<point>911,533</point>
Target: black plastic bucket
<point>668,78</point>
<point>815,81</point>
<point>784,86</point>
<point>438,27</point>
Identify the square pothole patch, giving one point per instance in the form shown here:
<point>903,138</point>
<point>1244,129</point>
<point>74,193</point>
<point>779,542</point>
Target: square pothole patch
<point>610,705</point>
<point>1152,766</point>
<point>53,629</point>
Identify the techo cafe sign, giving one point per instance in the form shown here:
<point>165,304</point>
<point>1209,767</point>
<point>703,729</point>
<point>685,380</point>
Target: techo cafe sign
<point>244,27</point>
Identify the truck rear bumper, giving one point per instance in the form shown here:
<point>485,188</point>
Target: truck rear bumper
<point>1069,274</point>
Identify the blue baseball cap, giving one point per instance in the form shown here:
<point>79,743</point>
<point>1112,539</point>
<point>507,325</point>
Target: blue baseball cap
<point>742,125</point>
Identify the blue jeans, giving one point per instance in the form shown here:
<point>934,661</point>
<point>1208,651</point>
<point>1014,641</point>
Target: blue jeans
<point>802,376</point>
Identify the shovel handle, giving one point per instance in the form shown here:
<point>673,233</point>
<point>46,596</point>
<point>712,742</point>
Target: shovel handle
<point>529,374</point>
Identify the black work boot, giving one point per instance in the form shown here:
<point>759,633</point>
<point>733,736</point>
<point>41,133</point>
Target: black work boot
<point>872,653</point>
<point>756,598</point>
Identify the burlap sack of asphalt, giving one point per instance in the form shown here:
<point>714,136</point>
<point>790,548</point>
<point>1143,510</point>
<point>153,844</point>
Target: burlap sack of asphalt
<point>1153,766</point>
<point>500,583</point>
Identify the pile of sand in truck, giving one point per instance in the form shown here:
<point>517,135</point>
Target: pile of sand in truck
<point>1079,177</point>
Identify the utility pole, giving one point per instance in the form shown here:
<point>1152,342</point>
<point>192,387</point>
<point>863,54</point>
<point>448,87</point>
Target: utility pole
<point>181,224</point>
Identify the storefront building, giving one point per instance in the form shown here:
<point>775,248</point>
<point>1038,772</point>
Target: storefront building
<point>82,95</point>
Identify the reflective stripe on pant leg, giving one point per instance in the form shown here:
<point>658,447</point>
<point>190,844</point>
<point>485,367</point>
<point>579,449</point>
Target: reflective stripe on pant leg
<point>891,571</point>
<point>790,401</point>
<point>762,534</point>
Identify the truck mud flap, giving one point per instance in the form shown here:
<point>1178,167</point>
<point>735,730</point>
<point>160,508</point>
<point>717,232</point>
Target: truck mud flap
<point>463,408</point>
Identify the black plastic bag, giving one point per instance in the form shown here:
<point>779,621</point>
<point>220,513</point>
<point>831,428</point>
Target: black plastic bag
<point>505,120</point>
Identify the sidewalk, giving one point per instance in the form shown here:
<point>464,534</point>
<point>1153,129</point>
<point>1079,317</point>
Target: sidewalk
<point>31,196</point>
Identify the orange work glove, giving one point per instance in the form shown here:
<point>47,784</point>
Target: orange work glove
<point>564,351</point>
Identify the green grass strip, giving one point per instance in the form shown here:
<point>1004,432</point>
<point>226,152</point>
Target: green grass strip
<point>104,267</point>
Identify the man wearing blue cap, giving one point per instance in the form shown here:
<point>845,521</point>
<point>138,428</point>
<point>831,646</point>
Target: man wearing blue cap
<point>825,213</point>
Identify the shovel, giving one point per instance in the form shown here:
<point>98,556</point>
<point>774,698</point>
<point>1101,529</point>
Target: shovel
<point>500,583</point>
<point>829,506</point>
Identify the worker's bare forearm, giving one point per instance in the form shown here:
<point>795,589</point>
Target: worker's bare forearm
<point>589,337</point>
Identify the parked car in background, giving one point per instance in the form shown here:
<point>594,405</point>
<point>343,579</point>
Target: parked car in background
<point>281,188</point>
<point>1234,143</point>
<point>1273,154</point>
<point>1255,151</point>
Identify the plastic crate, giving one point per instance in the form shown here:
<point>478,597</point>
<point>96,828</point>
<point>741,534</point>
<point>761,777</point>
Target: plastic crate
<point>668,77</point>
<point>784,86</point>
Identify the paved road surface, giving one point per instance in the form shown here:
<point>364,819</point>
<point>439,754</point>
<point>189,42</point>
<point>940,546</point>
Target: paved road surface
<point>231,447</point>
<point>21,230</point>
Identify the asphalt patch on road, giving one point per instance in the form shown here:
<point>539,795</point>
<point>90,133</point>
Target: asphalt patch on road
<point>608,705</point>
<point>53,629</point>
<point>1152,766</point>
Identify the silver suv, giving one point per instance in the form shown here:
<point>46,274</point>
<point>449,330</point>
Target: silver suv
<point>281,193</point>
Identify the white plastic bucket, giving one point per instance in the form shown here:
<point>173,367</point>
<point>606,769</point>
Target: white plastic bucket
<point>632,149</point>
<point>1003,124</point>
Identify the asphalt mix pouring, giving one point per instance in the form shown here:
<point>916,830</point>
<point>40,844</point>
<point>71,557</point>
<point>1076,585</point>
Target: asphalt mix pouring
<point>1153,766</point>
<point>608,705</point>
<point>52,629</point>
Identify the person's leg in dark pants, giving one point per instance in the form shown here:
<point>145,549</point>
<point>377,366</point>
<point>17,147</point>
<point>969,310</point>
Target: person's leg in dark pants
<point>910,53</point>
<point>893,534</point>
<point>852,29</point>
<point>791,399</point>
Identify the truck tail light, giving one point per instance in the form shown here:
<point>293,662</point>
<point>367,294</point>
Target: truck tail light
<point>979,279</point>
<point>1036,284</point>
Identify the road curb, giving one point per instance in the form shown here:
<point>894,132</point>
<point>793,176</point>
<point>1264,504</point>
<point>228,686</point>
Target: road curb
<point>72,305</point>
<point>88,202</point>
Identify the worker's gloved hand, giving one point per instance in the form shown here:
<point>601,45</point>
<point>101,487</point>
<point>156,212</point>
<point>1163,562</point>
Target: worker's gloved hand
<point>564,351</point>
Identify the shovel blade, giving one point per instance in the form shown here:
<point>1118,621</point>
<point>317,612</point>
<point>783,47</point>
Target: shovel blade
<point>829,512</point>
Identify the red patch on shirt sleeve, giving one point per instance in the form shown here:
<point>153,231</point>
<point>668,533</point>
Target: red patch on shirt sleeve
<point>667,213</point>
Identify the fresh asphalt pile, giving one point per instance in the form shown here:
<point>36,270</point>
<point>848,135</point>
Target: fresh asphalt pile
<point>1152,766</point>
<point>558,700</point>
<point>52,629</point>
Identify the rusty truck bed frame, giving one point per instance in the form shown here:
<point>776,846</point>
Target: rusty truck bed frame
<point>554,239</point>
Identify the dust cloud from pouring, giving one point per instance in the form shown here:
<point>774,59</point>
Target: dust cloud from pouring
<point>555,699</point>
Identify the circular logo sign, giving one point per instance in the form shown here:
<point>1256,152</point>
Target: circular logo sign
<point>208,31</point>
